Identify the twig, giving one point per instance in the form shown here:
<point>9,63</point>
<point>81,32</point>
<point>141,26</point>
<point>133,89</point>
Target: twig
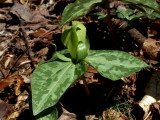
<point>86,87</point>
<point>146,44</point>
<point>134,33</point>
<point>14,64</point>
<point>26,39</point>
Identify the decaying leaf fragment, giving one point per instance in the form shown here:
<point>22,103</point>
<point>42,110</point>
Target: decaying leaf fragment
<point>5,110</point>
<point>151,48</point>
<point>6,1</point>
<point>22,11</point>
<point>17,80</point>
<point>151,101</point>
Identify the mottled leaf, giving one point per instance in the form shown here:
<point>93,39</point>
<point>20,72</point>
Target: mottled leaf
<point>49,114</point>
<point>50,80</point>
<point>114,64</point>
<point>129,14</point>
<point>150,7</point>
<point>77,9</point>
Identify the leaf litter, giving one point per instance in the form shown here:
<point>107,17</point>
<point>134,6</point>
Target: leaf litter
<point>27,31</point>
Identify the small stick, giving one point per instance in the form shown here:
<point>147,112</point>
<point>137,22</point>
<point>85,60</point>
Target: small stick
<point>146,44</point>
<point>134,33</point>
<point>86,87</point>
<point>26,39</point>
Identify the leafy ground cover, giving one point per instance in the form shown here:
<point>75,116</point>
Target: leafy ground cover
<point>28,30</point>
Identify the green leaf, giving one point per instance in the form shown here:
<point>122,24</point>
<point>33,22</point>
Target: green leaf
<point>75,39</point>
<point>150,7</point>
<point>50,80</point>
<point>59,55</point>
<point>62,57</point>
<point>114,64</point>
<point>49,114</point>
<point>100,15</point>
<point>77,9</point>
<point>128,14</point>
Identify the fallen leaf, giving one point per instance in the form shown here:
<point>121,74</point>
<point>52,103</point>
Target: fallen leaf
<point>12,116</point>
<point>26,79</point>
<point>4,83</point>
<point>21,100</point>
<point>18,85</point>
<point>4,110</point>
<point>7,61</point>
<point>22,11</point>
<point>67,115</point>
<point>151,49</point>
<point>6,1</point>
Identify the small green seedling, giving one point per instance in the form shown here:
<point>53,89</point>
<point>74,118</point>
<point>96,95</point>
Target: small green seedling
<point>51,79</point>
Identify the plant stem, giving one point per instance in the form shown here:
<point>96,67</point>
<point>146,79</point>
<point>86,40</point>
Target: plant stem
<point>86,87</point>
<point>109,22</point>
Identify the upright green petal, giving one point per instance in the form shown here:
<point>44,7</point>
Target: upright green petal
<point>75,39</point>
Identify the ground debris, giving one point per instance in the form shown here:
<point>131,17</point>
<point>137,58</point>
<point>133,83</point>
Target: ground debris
<point>28,29</point>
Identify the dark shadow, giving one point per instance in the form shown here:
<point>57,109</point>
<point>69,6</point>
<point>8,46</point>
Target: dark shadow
<point>75,99</point>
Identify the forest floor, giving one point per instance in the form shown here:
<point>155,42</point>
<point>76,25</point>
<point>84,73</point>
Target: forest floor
<point>27,34</point>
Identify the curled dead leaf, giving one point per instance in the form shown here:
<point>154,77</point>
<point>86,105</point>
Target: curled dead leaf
<point>67,115</point>
<point>18,85</point>
<point>15,80</point>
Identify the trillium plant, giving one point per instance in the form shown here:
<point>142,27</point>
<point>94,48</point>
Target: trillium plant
<point>52,78</point>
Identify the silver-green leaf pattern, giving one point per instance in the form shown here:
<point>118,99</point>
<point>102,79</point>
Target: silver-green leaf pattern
<point>114,64</point>
<point>150,7</point>
<point>50,80</point>
<point>77,9</point>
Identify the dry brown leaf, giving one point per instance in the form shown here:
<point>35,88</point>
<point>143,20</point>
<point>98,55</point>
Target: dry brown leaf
<point>3,17</point>
<point>22,11</point>
<point>8,60</point>
<point>12,116</point>
<point>6,1</point>
<point>10,81</point>
<point>67,115</point>
<point>2,26</point>
<point>4,110</point>
<point>21,100</point>
<point>18,85</point>
<point>39,32</point>
<point>25,79</point>
<point>151,49</point>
